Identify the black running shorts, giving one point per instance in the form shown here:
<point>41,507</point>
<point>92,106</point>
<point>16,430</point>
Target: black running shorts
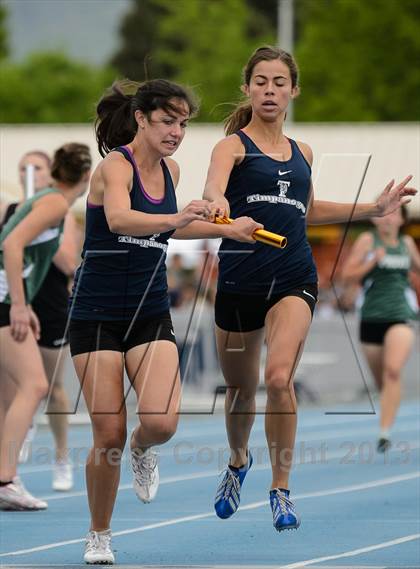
<point>247,312</point>
<point>374,332</point>
<point>94,335</point>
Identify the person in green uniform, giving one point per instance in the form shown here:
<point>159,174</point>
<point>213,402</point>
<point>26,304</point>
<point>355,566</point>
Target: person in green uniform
<point>50,305</point>
<point>28,243</point>
<point>381,260</point>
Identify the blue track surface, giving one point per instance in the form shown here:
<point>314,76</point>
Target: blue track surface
<point>358,508</point>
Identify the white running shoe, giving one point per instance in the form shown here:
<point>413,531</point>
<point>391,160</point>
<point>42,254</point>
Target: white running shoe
<point>146,474</point>
<point>26,448</point>
<point>62,476</point>
<point>41,504</point>
<point>14,496</point>
<point>98,548</point>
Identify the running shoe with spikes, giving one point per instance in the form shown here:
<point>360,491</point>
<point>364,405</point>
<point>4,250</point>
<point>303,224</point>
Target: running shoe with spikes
<point>146,474</point>
<point>98,548</point>
<point>228,494</point>
<point>284,513</point>
<point>15,497</point>
<point>39,504</point>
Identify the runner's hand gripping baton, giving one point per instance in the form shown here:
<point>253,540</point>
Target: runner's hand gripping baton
<point>260,234</point>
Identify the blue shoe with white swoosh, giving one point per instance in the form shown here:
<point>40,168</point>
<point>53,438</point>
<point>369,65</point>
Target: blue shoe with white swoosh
<point>228,493</point>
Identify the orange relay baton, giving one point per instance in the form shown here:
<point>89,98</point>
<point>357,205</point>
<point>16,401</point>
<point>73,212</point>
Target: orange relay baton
<point>260,234</point>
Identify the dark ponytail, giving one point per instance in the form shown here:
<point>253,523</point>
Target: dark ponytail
<point>71,161</point>
<point>115,124</point>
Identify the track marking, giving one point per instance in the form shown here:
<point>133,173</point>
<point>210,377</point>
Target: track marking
<point>175,521</point>
<point>353,552</point>
<point>199,475</point>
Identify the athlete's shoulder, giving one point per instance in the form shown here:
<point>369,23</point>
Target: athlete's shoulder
<point>306,151</point>
<point>230,142</point>
<point>408,241</point>
<point>114,163</point>
<point>115,157</point>
<point>229,150</point>
<point>55,198</point>
<point>365,240</point>
<point>52,206</point>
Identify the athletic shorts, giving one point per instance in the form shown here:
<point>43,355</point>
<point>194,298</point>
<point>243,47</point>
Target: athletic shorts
<point>4,314</point>
<point>247,312</point>
<point>52,332</point>
<point>374,332</point>
<point>96,335</point>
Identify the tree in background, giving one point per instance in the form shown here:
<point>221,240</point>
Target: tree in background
<point>358,60</point>
<point>200,43</point>
<point>3,33</point>
<point>215,42</point>
<point>139,32</point>
<point>267,10</point>
<point>50,88</point>
<point>263,19</point>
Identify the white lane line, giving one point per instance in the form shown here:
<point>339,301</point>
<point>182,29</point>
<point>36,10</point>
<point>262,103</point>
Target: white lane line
<point>208,474</point>
<point>301,438</point>
<point>354,552</point>
<point>345,489</point>
<point>320,420</point>
<point>364,486</point>
<point>313,419</point>
<point>114,534</point>
<point>168,480</point>
<point>174,521</point>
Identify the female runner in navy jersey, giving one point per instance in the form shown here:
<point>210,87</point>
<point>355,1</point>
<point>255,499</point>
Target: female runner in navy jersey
<point>120,311</point>
<point>265,291</point>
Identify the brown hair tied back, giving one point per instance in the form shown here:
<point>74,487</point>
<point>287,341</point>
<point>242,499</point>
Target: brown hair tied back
<point>71,161</point>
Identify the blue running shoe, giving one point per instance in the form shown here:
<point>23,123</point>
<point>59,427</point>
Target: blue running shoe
<point>284,513</point>
<point>228,493</point>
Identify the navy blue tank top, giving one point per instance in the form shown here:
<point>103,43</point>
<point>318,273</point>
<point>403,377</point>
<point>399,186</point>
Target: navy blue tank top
<point>121,275</point>
<point>275,194</point>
